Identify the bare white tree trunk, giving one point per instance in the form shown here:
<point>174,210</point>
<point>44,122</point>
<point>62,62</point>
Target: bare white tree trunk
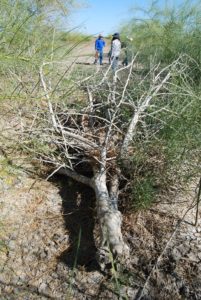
<point>109,217</point>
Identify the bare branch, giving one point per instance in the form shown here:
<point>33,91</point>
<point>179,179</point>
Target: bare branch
<point>137,115</point>
<point>48,98</point>
<point>74,175</point>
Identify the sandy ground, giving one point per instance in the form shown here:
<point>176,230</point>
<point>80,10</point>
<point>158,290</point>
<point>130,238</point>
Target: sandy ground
<point>40,259</point>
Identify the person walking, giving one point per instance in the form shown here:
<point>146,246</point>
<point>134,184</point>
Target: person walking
<point>127,50</point>
<point>99,46</point>
<point>115,50</point>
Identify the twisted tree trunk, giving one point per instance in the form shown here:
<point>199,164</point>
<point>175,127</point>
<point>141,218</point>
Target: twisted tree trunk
<point>109,217</point>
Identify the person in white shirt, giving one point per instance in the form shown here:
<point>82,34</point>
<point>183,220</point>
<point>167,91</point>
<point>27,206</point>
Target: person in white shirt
<point>115,50</point>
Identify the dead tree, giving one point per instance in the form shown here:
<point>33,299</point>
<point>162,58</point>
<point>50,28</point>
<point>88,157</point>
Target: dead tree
<point>100,138</point>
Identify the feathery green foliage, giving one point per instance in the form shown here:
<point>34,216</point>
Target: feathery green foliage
<point>163,34</point>
<point>30,35</point>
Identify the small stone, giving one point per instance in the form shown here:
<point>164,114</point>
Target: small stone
<point>131,293</point>
<point>183,248</point>
<point>12,245</point>
<point>15,291</point>
<point>23,277</point>
<point>54,275</point>
<point>13,236</point>
<point>193,257</point>
<point>176,254</point>
<point>8,289</point>
<point>43,287</point>
<point>192,229</point>
<point>26,250</point>
<point>43,255</point>
<point>4,278</point>
<point>97,277</point>
<point>65,286</point>
<point>15,280</point>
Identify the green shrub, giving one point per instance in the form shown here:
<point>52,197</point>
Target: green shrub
<point>143,193</point>
<point>163,34</point>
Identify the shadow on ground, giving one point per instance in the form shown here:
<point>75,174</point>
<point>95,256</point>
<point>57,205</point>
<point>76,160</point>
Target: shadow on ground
<point>78,208</point>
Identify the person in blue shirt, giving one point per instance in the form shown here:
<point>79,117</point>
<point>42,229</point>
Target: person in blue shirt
<point>99,45</point>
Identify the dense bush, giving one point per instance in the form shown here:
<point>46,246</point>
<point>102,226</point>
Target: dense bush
<point>160,37</point>
<point>163,34</point>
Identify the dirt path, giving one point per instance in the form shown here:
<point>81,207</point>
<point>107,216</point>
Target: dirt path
<point>84,53</point>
